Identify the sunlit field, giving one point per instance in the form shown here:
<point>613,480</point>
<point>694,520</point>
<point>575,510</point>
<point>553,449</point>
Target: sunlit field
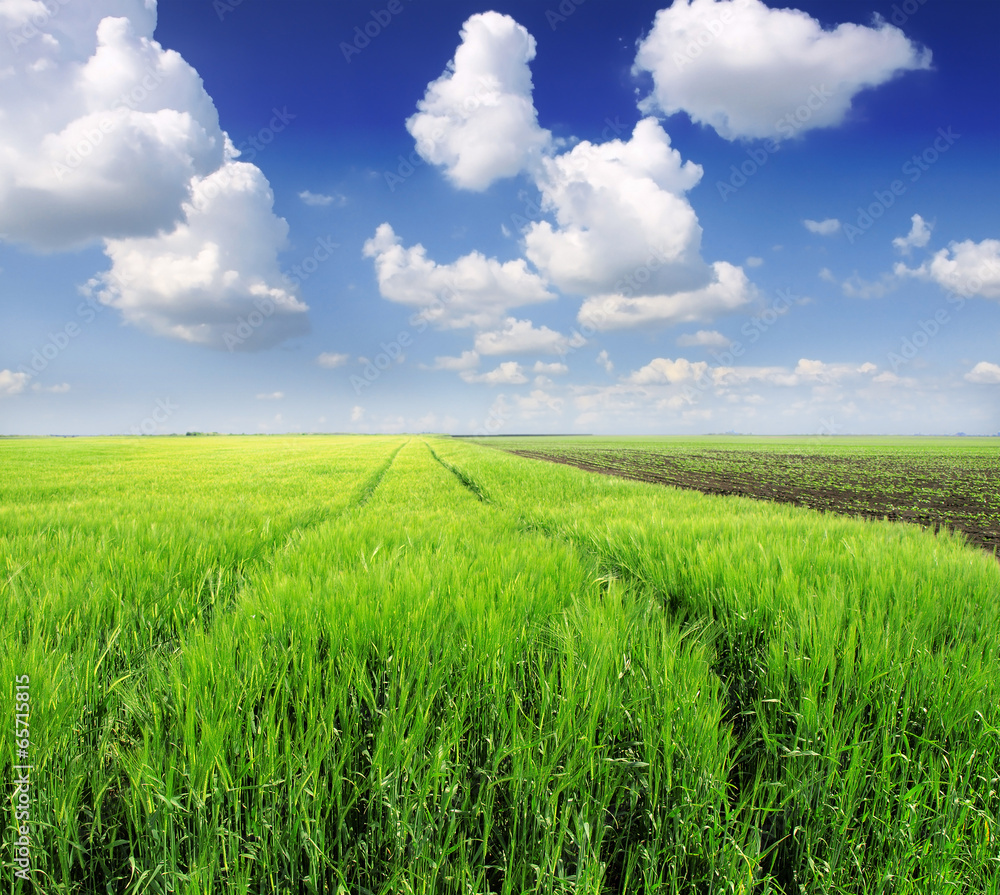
<point>417,664</point>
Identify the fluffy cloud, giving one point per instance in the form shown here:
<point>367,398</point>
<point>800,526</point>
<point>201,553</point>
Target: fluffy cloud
<point>537,404</point>
<point>331,360</point>
<point>478,119</point>
<point>704,338</point>
<point>605,361</point>
<point>553,369</point>
<point>729,291</point>
<point>749,71</point>
<point>822,228</point>
<point>468,360</point>
<point>320,200</point>
<point>964,268</point>
<point>919,236</point>
<point>508,373</point>
<point>623,221</point>
<point>812,396</point>
<point>731,377</point>
<point>856,286</point>
<point>522,337</point>
<point>663,370</point>
<point>214,279</point>
<point>680,392</point>
<point>112,138</point>
<point>625,236</point>
<point>824,372</point>
<point>12,383</point>
<point>105,128</point>
<point>983,373</point>
<point>887,377</point>
<point>474,291</point>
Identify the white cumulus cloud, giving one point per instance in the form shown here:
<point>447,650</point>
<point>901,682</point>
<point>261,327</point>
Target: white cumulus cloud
<point>666,371</point>
<point>750,71</point>
<point>624,235</point>
<point>622,219</point>
<point>508,373</point>
<point>320,200</point>
<point>919,236</point>
<point>214,279</point>
<point>824,228</point>
<point>827,372</point>
<point>537,404</point>
<point>467,360</point>
<point>705,338</point>
<point>888,378</point>
<point>554,369</point>
<point>663,370</point>
<point>104,129</point>
<point>965,268</point>
<point>730,377</point>
<point>12,383</point>
<point>331,359</point>
<point>472,291</point>
<point>107,137</point>
<point>478,119</point>
<point>856,286</point>
<point>729,291</point>
<point>984,373</point>
<point>522,337</point>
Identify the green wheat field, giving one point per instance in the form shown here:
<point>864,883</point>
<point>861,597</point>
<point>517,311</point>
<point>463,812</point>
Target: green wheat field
<point>417,664</point>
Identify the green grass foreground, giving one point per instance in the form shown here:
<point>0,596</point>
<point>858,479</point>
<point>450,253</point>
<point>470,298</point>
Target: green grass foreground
<point>419,665</point>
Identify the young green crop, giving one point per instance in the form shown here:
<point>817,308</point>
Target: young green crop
<point>416,665</point>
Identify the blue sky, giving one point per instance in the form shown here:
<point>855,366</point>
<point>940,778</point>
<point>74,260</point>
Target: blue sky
<point>628,217</point>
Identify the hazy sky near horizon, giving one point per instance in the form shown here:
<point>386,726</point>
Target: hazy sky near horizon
<point>576,216</point>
